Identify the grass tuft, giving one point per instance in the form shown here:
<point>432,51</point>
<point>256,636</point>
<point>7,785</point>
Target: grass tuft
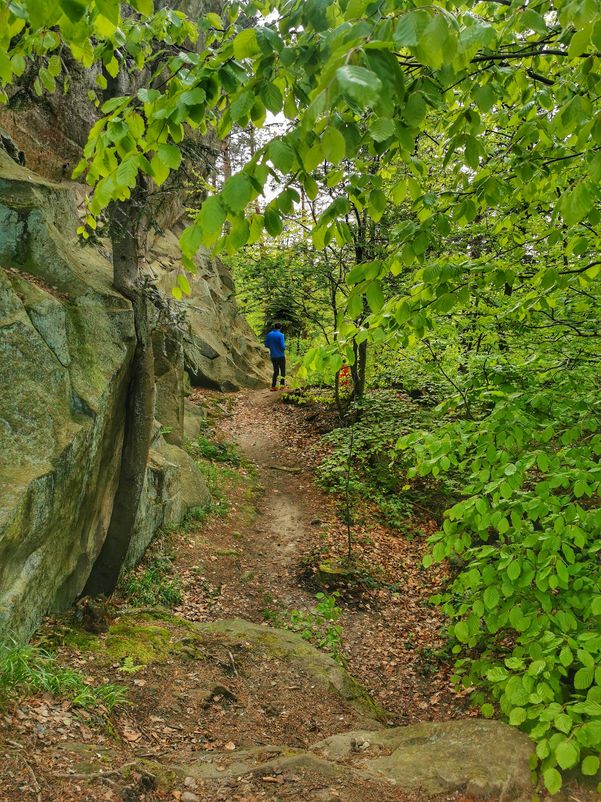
<point>27,669</point>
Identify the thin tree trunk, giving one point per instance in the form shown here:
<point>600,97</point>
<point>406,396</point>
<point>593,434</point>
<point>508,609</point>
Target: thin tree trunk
<point>139,408</point>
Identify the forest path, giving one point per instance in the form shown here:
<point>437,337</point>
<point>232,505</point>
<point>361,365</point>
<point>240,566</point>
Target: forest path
<point>258,546</point>
<point>204,699</point>
<point>257,561</point>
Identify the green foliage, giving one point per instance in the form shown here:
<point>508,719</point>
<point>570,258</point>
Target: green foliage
<point>376,473</point>
<point>451,154</point>
<point>526,609</point>
<point>153,584</point>
<point>320,625</point>
<point>216,451</point>
<point>26,669</point>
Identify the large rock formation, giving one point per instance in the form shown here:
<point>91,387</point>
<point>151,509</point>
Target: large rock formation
<point>66,342</point>
<point>220,350</point>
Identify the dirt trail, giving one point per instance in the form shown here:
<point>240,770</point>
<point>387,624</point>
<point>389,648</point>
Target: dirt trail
<point>257,548</point>
<point>257,554</point>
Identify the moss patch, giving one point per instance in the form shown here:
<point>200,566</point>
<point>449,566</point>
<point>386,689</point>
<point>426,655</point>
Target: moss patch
<point>144,643</point>
<point>151,637</point>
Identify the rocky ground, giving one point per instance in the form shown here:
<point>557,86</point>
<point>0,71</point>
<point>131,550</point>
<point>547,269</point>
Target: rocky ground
<point>222,706</point>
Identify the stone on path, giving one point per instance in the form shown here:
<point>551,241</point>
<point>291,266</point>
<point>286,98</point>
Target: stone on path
<point>483,759</point>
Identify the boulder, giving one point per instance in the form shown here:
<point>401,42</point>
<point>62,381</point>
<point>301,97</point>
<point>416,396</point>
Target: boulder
<point>173,485</point>
<point>285,645</point>
<point>66,341</point>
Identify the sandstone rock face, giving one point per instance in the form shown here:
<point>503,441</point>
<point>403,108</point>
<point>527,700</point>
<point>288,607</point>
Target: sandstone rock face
<point>220,350</point>
<point>66,343</point>
<point>66,340</point>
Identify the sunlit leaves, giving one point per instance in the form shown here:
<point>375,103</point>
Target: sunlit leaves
<point>359,84</point>
<point>237,192</point>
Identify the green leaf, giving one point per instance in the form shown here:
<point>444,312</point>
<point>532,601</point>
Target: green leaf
<point>374,295</point>
<point>576,205</point>
<point>563,722</point>
<point>566,657</point>
<point>109,9</point>
<point>145,7</point>
<point>170,155</point>
<point>517,716</point>
<point>487,710</point>
<point>272,98</point>
<point>567,754</point>
<point>246,44</point>
<point>214,20</point>
<point>552,780</point>
<point>436,43</point>
<point>211,218</point>
<point>590,765</point>
<point>360,84</point>
<point>73,9</point>
<point>415,109</point>
<point>184,284</point>
<point>513,570</point>
<point>333,145</point>
<point>160,171</point>
<point>484,97</point>
<point>584,678</point>
<point>273,222</point>
<point>410,28</point>
<point>377,204</point>
<point>242,105</point>
<point>190,240</point>
<point>382,129</point>
<point>127,172</point>
<point>461,631</point>
<point>281,155</point>
<point>237,192</point>
<point>491,597</point>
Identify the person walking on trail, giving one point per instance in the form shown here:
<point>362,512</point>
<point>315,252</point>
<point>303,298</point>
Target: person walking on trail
<point>277,350</point>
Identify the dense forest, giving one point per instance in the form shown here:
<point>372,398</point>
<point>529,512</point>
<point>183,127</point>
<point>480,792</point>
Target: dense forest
<point>412,190</point>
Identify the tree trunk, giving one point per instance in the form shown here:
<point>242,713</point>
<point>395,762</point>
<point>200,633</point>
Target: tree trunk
<point>358,370</point>
<point>139,409</point>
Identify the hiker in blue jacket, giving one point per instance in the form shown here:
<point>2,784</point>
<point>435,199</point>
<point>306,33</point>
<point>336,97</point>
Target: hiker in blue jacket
<point>277,350</point>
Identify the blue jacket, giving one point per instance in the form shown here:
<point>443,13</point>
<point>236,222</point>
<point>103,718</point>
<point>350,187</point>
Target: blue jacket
<point>276,344</point>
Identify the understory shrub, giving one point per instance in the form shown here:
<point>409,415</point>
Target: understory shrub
<point>361,461</point>
<point>320,625</point>
<point>526,608</point>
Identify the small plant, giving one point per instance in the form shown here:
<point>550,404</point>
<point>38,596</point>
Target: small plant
<point>155,585</point>
<point>216,451</point>
<point>129,667</point>
<point>26,669</point>
<point>320,625</point>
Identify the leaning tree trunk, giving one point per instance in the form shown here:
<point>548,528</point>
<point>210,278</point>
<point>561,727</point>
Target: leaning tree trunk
<point>139,409</point>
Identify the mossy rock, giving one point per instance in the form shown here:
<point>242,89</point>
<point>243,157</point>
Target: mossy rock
<point>485,760</point>
<point>286,645</point>
<point>334,572</point>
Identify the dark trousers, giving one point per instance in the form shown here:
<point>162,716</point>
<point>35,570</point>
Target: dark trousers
<point>279,366</point>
